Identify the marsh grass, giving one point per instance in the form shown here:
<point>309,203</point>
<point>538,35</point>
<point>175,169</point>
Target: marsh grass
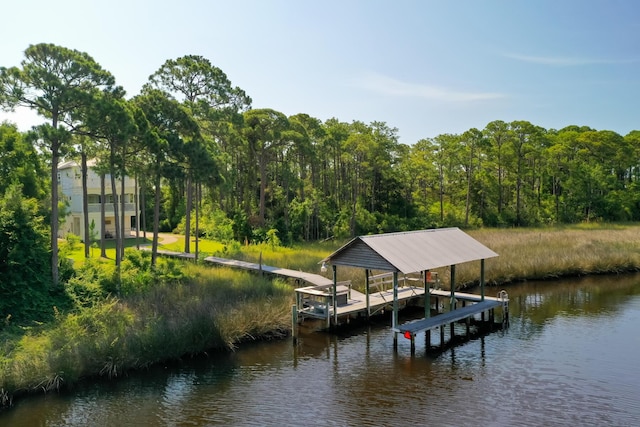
<point>533,254</point>
<point>212,309</point>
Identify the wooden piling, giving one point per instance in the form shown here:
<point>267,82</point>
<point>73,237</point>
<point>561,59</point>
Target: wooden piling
<point>294,323</point>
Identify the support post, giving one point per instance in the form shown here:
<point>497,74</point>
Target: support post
<point>482,280</point>
<point>413,344</point>
<point>326,306</point>
<point>427,296</point>
<point>394,319</point>
<point>366,291</point>
<point>453,288</point>
<point>427,307</point>
<point>294,323</point>
<point>335,297</point>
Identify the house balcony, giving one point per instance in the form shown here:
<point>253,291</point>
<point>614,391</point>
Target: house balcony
<point>108,208</point>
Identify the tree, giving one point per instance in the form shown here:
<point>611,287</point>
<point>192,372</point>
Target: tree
<point>20,163</point>
<point>264,130</point>
<point>522,144</point>
<point>110,118</point>
<point>498,134</point>
<point>208,94</point>
<point>55,82</point>
<point>168,122</point>
<point>24,259</point>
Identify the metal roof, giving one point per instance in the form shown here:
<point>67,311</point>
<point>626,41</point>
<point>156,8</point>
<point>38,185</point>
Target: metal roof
<point>412,251</point>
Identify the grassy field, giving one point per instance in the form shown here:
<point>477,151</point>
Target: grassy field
<point>196,307</point>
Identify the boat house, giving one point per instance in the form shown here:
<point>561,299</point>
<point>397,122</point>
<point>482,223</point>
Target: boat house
<point>406,260</point>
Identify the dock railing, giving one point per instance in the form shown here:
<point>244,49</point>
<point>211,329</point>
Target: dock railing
<point>384,281</point>
<point>317,301</point>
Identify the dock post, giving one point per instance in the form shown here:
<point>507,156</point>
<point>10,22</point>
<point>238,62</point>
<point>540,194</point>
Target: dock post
<point>453,288</point>
<point>482,280</point>
<point>366,290</point>
<point>427,295</point>
<point>427,307</point>
<point>413,344</point>
<point>441,336</point>
<point>326,305</point>
<point>394,319</point>
<point>294,323</point>
<point>335,297</point>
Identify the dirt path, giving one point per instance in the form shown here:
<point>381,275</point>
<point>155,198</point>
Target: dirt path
<point>167,238</point>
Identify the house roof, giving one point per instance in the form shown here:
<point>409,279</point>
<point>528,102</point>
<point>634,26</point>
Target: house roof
<point>73,164</point>
<point>412,251</point>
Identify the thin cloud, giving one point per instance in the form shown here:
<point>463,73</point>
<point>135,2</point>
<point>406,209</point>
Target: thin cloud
<point>565,61</point>
<point>393,87</point>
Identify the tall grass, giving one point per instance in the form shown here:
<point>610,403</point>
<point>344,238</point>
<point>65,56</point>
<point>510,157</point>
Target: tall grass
<point>216,308</point>
<point>539,254</point>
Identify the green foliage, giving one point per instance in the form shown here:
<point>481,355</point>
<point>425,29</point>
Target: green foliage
<point>272,238</point>
<point>91,283</point>
<point>213,225</point>
<point>20,163</point>
<point>24,258</point>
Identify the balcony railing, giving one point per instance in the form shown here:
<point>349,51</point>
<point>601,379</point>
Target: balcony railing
<point>108,207</point>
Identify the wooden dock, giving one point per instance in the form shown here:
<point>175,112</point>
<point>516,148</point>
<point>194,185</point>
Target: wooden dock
<point>317,300</point>
<point>299,276</point>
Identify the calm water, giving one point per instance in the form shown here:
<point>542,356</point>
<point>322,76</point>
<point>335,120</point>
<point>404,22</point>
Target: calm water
<point>571,357</point>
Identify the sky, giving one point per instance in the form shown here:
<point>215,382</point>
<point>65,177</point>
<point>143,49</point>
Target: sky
<point>424,67</point>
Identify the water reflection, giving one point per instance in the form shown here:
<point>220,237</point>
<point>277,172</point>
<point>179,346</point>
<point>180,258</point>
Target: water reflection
<point>568,358</point>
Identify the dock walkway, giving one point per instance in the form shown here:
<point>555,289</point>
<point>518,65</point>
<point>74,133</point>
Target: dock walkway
<point>314,279</point>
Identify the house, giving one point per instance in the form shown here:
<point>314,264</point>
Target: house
<point>70,190</point>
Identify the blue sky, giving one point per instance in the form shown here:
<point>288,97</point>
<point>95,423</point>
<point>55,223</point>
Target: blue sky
<point>424,67</point>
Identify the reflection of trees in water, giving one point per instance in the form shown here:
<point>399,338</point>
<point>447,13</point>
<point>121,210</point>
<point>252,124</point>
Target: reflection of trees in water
<point>533,304</point>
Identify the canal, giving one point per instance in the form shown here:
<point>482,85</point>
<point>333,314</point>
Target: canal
<point>571,357</point>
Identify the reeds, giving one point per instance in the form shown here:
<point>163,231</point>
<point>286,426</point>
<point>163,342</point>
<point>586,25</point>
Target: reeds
<point>540,254</point>
<point>218,308</point>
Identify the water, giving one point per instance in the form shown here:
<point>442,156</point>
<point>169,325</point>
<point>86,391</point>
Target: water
<point>569,358</point>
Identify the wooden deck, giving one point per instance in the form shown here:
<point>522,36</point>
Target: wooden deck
<point>317,302</point>
<point>356,302</point>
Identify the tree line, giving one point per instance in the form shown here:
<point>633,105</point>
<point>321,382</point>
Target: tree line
<point>209,165</point>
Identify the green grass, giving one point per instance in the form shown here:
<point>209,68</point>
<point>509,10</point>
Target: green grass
<point>75,251</point>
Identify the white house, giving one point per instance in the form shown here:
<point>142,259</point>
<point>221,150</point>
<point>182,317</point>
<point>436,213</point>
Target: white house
<point>70,190</point>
